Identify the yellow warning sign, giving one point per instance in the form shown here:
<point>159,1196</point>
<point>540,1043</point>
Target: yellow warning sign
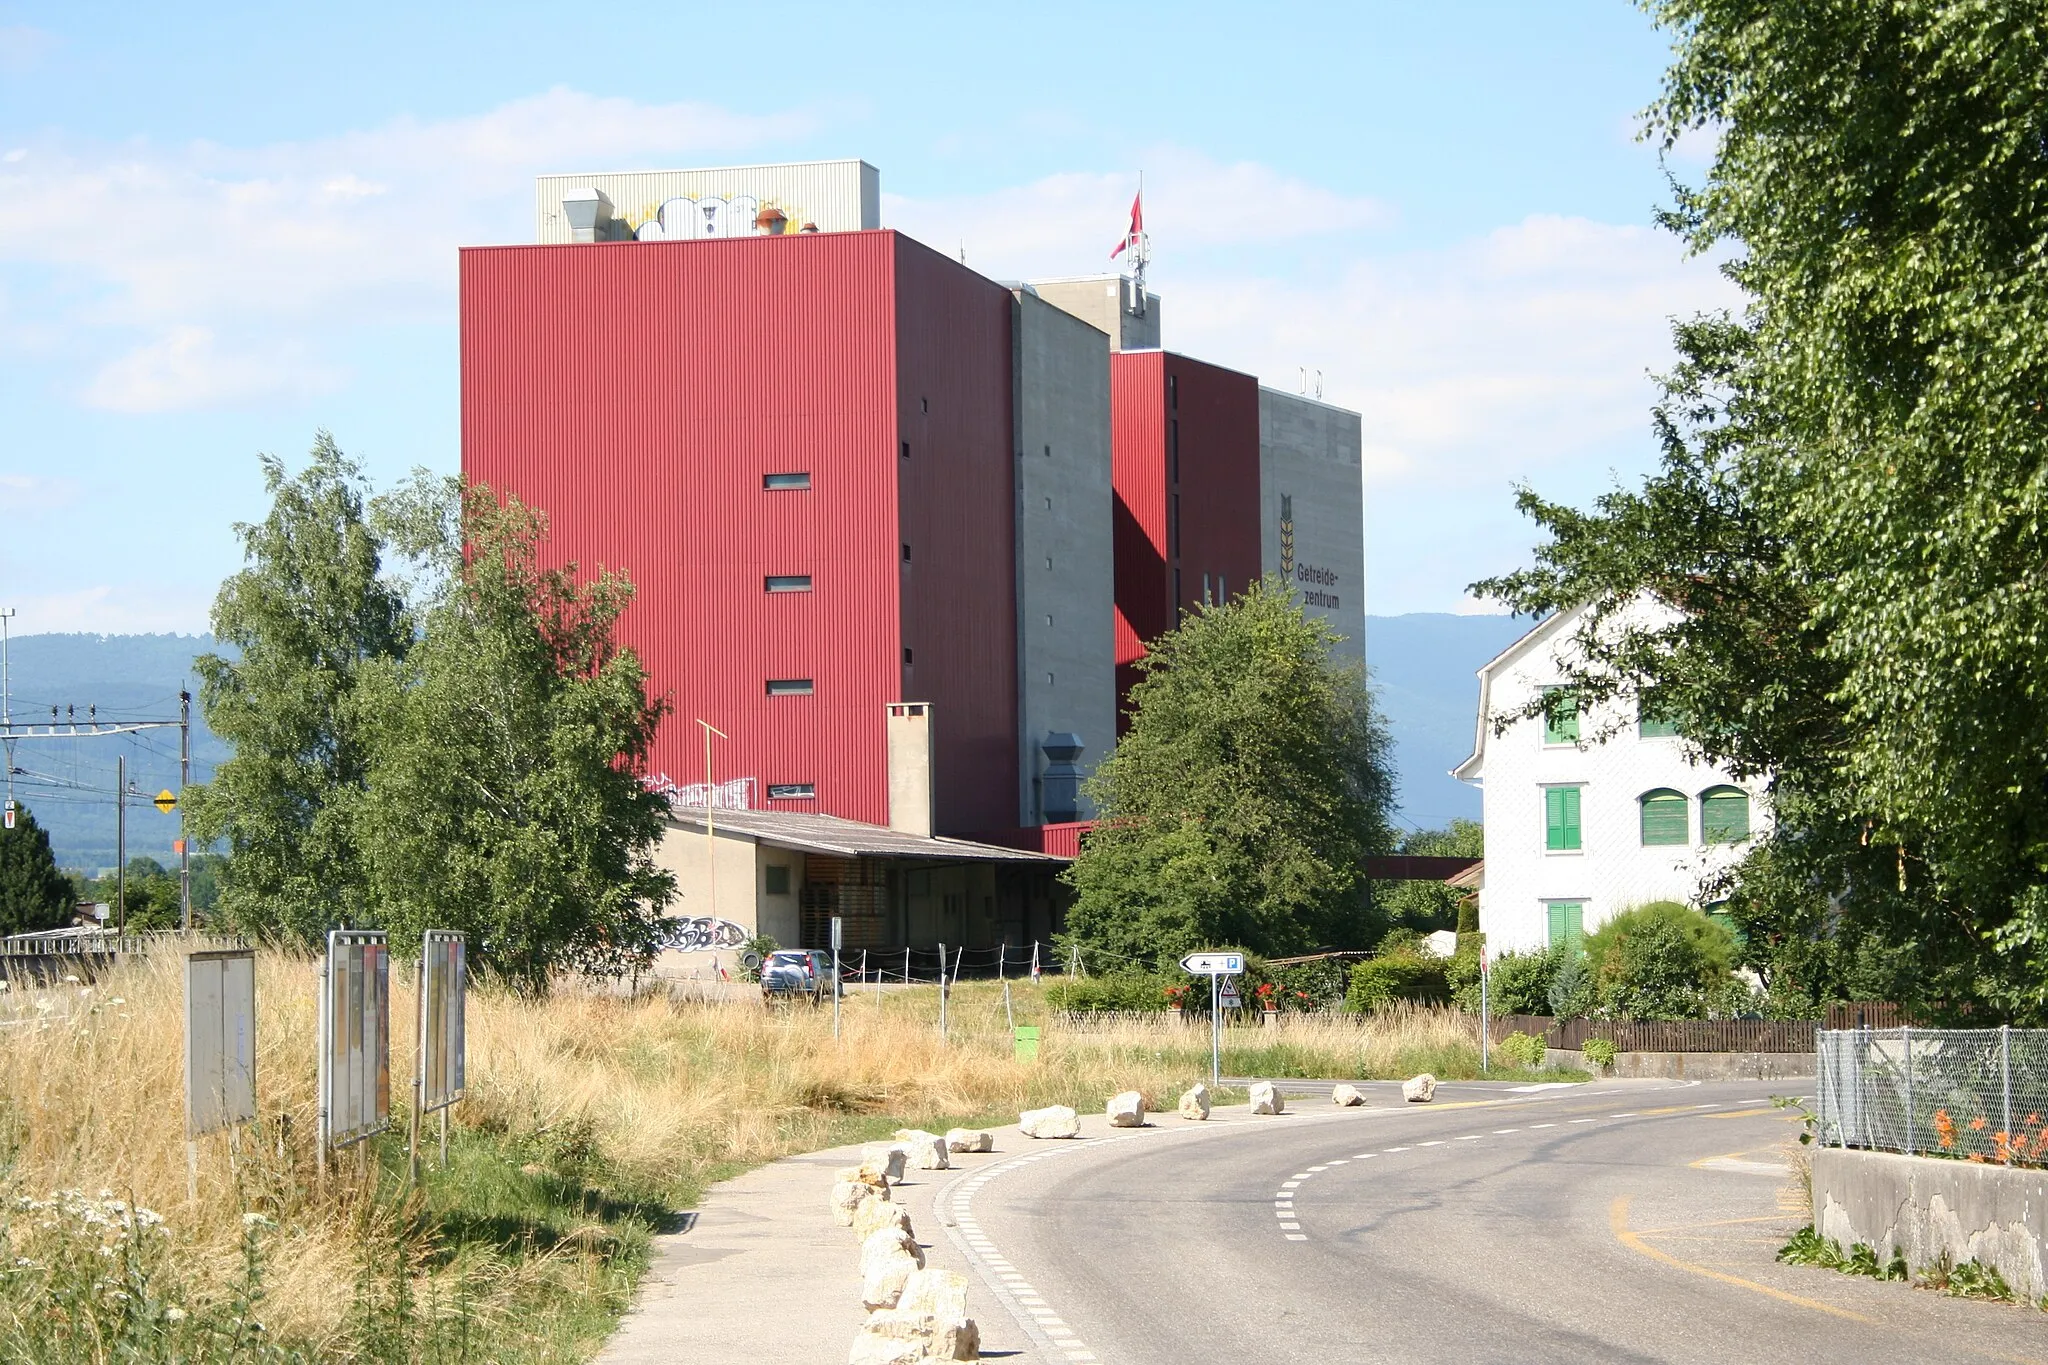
<point>166,802</point>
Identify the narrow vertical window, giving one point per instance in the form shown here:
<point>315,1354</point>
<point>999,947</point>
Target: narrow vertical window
<point>1561,832</point>
<point>1567,922</point>
<point>1560,715</point>
<point>1173,448</point>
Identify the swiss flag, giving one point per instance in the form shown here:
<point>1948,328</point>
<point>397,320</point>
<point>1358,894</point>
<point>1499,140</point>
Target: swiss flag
<point>1137,224</point>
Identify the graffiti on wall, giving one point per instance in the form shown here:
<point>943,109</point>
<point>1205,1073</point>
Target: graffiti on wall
<point>711,215</point>
<point>704,934</point>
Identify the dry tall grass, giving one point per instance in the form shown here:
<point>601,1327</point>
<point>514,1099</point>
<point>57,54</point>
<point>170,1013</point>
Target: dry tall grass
<point>664,1094</point>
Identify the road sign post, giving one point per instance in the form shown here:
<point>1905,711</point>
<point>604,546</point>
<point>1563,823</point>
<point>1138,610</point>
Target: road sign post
<point>1215,966</point>
<point>836,935</point>
<point>1485,1014</point>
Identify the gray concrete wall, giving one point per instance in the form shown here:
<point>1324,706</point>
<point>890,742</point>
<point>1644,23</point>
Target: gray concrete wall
<point>1311,493</point>
<point>1931,1210</point>
<point>1695,1066</point>
<point>1066,613</point>
<point>1106,303</point>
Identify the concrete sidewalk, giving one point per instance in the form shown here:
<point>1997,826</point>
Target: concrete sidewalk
<point>762,1273</point>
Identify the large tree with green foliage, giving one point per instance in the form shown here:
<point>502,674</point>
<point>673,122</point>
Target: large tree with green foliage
<point>430,730</point>
<point>504,794</point>
<point>1850,517</point>
<point>310,611</point>
<point>33,893</point>
<point>1240,805</point>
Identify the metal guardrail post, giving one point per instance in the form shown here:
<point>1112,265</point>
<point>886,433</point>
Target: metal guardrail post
<point>1906,1039</point>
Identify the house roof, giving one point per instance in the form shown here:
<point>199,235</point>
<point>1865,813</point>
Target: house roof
<point>807,832</point>
<point>1549,626</point>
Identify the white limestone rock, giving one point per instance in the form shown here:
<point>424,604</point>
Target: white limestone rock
<point>887,1157</point>
<point>1126,1110</point>
<point>1419,1089</point>
<point>1347,1096</point>
<point>1194,1105</point>
<point>1266,1099</point>
<point>1054,1121</point>
<point>892,1336</point>
<point>927,1150</point>
<point>871,1215</point>
<point>970,1140</point>
<point>941,1293</point>
<point>850,1190</point>
<point>888,1259</point>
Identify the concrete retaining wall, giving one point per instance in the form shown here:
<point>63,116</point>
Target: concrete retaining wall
<point>1694,1066</point>
<point>1927,1210</point>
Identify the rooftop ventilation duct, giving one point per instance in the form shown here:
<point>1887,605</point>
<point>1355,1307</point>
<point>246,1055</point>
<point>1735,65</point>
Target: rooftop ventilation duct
<point>589,211</point>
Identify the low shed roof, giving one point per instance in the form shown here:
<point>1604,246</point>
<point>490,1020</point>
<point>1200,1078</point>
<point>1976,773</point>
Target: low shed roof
<point>828,834</point>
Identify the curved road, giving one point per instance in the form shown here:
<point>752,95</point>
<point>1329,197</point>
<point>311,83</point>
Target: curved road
<point>1614,1222</point>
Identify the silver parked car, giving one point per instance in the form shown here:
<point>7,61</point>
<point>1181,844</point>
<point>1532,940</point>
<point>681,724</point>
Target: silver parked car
<point>797,971</point>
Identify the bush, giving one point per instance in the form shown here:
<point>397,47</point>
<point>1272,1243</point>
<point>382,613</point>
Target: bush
<point>1523,1050</point>
<point>1521,981</point>
<point>1145,991</point>
<point>1570,993</point>
<point>1659,961</point>
<point>1600,1052</point>
<point>1381,981</point>
<point>1311,985</point>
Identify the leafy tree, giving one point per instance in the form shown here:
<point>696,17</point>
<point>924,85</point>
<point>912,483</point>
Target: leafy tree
<point>1241,803</point>
<point>308,615</point>
<point>34,894</point>
<point>1428,906</point>
<point>1658,961</point>
<point>503,785</point>
<point>1846,529</point>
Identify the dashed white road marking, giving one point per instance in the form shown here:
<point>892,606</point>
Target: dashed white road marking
<point>1435,1142</point>
<point>1534,1126</point>
<point>1499,1131</point>
<point>1470,1137</point>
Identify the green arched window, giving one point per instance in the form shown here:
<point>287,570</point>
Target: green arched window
<point>1667,817</point>
<point>1724,815</point>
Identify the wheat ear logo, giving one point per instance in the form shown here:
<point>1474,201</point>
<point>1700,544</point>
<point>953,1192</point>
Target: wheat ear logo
<point>1286,535</point>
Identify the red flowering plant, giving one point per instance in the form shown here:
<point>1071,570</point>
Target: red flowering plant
<point>1176,996</point>
<point>1266,993</point>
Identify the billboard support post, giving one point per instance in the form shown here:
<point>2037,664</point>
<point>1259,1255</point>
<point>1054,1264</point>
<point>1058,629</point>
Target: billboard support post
<point>441,1073</point>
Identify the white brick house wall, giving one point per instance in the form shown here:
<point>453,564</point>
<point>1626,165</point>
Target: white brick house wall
<point>1613,767</point>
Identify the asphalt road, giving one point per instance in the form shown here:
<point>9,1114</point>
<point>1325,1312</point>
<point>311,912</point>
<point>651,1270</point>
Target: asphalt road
<point>1632,1221</point>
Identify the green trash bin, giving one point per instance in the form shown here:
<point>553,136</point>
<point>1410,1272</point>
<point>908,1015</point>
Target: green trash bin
<point>1027,1042</point>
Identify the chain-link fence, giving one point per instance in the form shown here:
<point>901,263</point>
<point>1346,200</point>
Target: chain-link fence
<point>1977,1094</point>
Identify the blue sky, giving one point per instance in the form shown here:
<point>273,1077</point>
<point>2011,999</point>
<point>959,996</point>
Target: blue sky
<point>222,226</point>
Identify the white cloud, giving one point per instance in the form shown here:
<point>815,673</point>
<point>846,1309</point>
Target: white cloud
<point>104,609</point>
<point>214,253</point>
<point>1066,224</point>
<point>1476,362</point>
<point>34,493</point>
<point>187,368</point>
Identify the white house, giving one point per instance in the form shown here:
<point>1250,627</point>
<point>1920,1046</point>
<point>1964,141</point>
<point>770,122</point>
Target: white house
<point>1591,810</point>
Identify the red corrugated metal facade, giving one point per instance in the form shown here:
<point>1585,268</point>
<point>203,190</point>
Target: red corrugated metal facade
<point>1185,444</point>
<point>639,393</point>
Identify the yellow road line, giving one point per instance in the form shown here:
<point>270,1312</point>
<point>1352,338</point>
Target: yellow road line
<point>1754,1113</point>
<point>1617,1215</point>
<point>1717,1223</point>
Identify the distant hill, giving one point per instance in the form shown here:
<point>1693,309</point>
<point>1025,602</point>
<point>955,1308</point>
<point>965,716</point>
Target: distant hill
<point>1424,667</point>
<point>69,783</point>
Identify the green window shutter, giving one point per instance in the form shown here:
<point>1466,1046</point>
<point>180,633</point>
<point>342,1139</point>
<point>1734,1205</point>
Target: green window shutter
<point>1650,725</point>
<point>1724,815</point>
<point>1561,833</point>
<point>1560,716</point>
<point>1567,921</point>
<point>1666,818</point>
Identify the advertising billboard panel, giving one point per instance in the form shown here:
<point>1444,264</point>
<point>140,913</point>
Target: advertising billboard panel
<point>220,1040</point>
<point>444,986</point>
<point>355,1037</point>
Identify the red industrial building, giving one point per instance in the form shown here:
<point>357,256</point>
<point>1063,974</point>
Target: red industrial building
<point>845,472</point>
